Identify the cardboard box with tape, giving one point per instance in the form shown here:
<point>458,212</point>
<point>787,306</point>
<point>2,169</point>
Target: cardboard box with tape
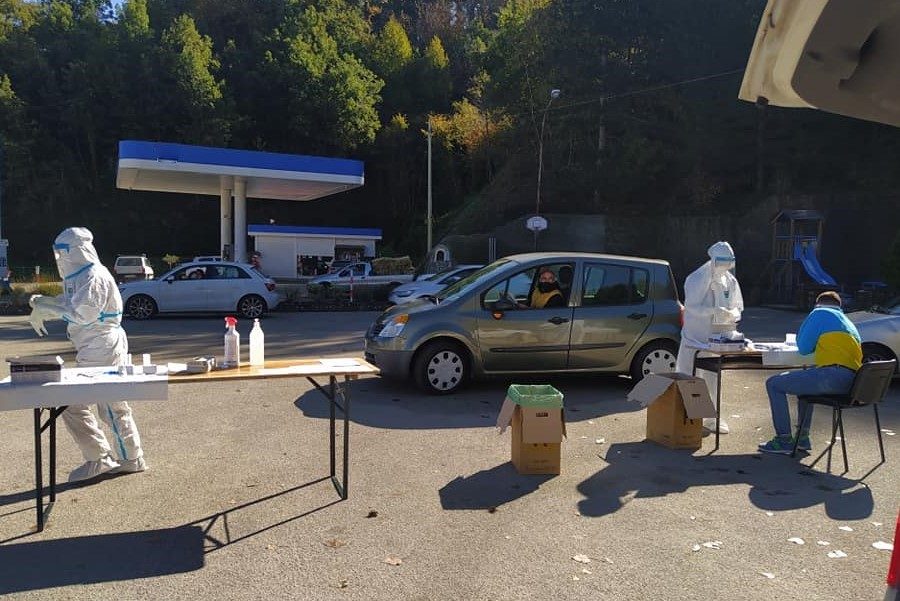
<point>676,405</point>
<point>538,427</point>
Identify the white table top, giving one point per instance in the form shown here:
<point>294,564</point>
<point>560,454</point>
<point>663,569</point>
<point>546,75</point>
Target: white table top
<point>82,386</point>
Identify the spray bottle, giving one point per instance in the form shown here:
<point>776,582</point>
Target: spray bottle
<point>232,344</point>
<point>257,345</point>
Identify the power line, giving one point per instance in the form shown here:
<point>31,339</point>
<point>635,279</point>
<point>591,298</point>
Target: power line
<point>607,97</point>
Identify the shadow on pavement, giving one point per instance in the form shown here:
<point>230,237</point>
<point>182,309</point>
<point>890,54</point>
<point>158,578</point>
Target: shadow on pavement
<point>777,483</point>
<point>130,555</point>
<point>100,558</point>
<point>490,488</point>
<point>381,403</point>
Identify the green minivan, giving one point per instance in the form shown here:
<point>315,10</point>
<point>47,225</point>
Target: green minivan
<point>617,314</point>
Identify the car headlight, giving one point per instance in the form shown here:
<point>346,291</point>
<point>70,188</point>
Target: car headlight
<point>403,293</point>
<point>394,326</point>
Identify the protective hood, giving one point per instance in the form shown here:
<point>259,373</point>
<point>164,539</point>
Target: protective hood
<point>721,257</point>
<point>74,251</point>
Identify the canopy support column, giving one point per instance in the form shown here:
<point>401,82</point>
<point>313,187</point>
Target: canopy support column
<point>226,243</point>
<point>240,219</point>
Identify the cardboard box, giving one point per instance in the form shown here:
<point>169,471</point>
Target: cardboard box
<point>40,369</point>
<point>538,427</point>
<point>676,405</point>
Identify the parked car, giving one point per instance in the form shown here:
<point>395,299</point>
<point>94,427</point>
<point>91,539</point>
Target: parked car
<point>621,315</point>
<point>207,258</point>
<point>430,286</point>
<point>879,329</point>
<point>337,265</point>
<point>359,273</point>
<point>132,267</point>
<point>202,286</point>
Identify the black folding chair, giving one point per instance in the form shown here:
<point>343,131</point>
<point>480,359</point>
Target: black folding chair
<point>869,387</point>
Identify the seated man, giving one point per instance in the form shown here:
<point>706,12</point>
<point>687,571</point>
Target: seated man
<point>838,354</point>
<point>547,294</point>
<point>197,274</point>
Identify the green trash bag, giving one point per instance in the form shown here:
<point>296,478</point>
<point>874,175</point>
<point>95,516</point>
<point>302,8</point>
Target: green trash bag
<point>535,395</point>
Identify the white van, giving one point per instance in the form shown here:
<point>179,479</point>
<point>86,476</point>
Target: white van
<point>132,267</point>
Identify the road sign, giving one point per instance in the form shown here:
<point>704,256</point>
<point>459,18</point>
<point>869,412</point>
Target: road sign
<point>536,223</point>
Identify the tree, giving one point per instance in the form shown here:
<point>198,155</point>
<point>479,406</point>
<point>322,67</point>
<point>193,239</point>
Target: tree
<point>188,57</point>
<point>391,50</point>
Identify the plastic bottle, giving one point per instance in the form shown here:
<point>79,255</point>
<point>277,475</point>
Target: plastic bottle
<point>232,344</point>
<point>257,345</point>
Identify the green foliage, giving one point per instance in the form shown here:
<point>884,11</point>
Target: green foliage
<point>362,78</point>
<point>191,58</point>
<point>391,49</point>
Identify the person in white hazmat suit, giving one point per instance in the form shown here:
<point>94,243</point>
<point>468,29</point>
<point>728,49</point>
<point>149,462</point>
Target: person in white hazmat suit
<point>712,305</point>
<point>92,307</point>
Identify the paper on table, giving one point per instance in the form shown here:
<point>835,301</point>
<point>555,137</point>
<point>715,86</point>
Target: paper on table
<point>339,362</point>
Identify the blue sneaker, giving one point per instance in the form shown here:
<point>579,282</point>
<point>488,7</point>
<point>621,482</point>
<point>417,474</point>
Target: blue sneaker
<point>804,444</point>
<point>781,445</point>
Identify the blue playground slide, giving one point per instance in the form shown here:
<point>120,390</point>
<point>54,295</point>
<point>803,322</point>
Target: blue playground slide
<point>806,254</point>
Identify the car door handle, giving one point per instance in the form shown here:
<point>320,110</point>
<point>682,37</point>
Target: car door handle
<point>637,316</point>
<point>557,320</point>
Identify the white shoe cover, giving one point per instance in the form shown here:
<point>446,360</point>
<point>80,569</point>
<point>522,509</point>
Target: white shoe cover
<point>130,466</point>
<point>92,469</point>
<point>709,423</point>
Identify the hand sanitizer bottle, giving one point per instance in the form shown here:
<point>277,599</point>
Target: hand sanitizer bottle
<point>232,344</point>
<point>257,345</point>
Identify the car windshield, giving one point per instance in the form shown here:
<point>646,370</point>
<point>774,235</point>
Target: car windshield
<point>440,274</point>
<point>461,287</point>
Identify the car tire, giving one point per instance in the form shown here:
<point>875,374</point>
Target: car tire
<point>657,356</point>
<point>441,367</point>
<point>141,306</point>
<point>252,306</point>
<point>872,351</point>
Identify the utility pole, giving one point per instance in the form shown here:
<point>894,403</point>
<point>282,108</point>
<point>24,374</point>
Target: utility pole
<point>428,217</point>
<point>539,224</point>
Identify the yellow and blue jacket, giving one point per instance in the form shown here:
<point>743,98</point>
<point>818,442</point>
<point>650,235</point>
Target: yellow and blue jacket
<point>834,339</point>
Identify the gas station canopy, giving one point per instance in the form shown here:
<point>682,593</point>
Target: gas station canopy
<point>230,173</point>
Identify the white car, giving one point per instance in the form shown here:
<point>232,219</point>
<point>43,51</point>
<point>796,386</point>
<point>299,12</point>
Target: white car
<point>431,285</point>
<point>217,287</point>
<point>879,329</point>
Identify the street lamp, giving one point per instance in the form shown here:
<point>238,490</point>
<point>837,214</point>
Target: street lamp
<point>537,223</point>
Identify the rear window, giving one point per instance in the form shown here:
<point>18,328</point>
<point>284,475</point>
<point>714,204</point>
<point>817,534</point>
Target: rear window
<point>129,262</point>
<point>607,284</point>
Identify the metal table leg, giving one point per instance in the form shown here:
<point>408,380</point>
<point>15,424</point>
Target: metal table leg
<point>38,471</point>
<point>338,395</point>
<point>718,400</point>
<point>43,513</point>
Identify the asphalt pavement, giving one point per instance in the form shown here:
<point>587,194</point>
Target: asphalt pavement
<point>236,504</point>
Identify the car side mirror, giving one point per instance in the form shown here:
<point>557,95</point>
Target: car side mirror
<point>503,304</point>
<point>170,280</point>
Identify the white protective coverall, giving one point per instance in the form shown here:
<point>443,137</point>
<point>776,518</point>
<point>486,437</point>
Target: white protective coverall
<point>92,307</point>
<point>712,304</point>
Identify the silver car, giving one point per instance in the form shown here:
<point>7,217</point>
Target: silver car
<point>431,285</point>
<point>879,329</point>
<point>619,314</point>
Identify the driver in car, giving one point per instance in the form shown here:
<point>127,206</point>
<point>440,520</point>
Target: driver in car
<point>547,294</point>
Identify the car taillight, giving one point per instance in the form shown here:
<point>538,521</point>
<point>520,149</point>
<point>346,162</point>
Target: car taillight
<point>270,286</point>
